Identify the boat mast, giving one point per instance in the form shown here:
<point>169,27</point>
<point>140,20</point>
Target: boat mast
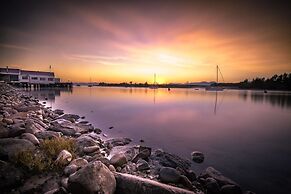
<point>216,74</point>
<point>154,79</point>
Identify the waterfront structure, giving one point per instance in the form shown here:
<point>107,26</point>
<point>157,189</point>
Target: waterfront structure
<point>18,76</point>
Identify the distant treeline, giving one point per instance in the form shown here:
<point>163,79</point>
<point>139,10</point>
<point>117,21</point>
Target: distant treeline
<point>276,82</point>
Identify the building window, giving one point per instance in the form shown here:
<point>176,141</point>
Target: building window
<point>34,78</point>
<point>42,79</point>
<point>25,77</point>
<point>50,79</point>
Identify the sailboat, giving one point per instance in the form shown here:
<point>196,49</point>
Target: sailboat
<point>155,84</point>
<point>90,84</point>
<point>216,87</point>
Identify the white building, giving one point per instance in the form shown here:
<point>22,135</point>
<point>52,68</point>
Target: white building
<point>24,76</point>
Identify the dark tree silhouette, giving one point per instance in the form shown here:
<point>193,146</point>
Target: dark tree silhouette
<point>276,82</point>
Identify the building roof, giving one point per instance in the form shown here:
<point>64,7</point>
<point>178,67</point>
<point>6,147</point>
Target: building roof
<point>24,72</point>
<point>9,70</point>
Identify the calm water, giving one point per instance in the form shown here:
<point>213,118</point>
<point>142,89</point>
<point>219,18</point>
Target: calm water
<point>244,134</point>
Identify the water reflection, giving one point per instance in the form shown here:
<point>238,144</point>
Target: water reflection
<point>236,129</point>
<point>274,98</point>
<point>48,94</point>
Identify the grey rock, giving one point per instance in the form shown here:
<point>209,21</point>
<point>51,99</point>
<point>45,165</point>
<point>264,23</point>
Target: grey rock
<point>66,127</point>
<point>47,134</point>
<point>118,141</point>
<point>93,178</point>
<point>90,149</point>
<point>59,111</point>
<point>142,165</point>
<point>80,162</point>
<point>118,159</point>
<point>85,141</point>
<point>64,157</point>
<point>213,173</point>
<point>30,137</point>
<point>144,153</point>
<point>69,117</point>
<point>131,184</point>
<point>169,175</point>
<point>212,186</point>
<point>170,160</point>
<point>104,160</point>
<point>41,123</point>
<point>197,156</point>
<point>72,168</point>
<point>85,128</point>
<point>32,127</point>
<point>10,147</point>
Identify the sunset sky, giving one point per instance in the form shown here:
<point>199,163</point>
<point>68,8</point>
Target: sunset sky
<point>116,41</point>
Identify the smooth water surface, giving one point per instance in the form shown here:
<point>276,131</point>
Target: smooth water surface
<point>244,134</point>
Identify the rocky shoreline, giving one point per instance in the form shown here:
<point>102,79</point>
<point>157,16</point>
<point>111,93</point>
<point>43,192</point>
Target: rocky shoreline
<point>48,151</point>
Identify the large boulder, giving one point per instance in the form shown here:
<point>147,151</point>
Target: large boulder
<point>10,147</point>
<point>118,141</point>
<point>197,156</point>
<point>41,123</point>
<point>30,137</point>
<point>143,153</point>
<point>48,134</point>
<point>85,141</point>
<point>215,174</point>
<point>93,178</point>
<point>131,184</point>
<point>66,127</point>
<point>118,159</point>
<point>33,127</point>
<point>169,175</point>
<point>170,160</point>
<point>69,117</point>
<point>16,130</point>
